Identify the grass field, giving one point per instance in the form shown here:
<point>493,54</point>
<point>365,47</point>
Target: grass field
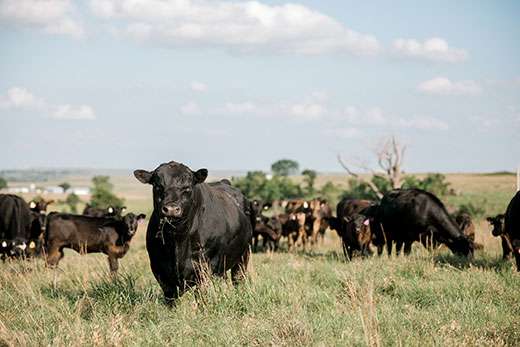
<point>312,298</point>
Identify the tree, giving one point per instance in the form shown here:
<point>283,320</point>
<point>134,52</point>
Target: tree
<point>256,185</point>
<point>285,167</point>
<point>102,196</point>
<point>65,186</point>
<point>309,177</point>
<point>3,183</point>
<point>390,155</point>
<point>72,201</point>
<point>434,183</point>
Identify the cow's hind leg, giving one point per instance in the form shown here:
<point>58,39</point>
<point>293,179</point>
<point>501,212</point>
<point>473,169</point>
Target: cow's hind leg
<point>398,247</point>
<point>407,247</point>
<point>238,272</point>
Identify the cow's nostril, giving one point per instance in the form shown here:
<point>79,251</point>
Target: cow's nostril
<point>165,209</point>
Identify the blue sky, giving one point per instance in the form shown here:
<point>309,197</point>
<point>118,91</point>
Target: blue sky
<point>240,84</point>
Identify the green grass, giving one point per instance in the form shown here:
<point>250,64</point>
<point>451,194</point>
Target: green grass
<point>305,298</point>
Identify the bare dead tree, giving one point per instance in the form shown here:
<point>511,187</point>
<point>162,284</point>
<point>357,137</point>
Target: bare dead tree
<point>390,154</point>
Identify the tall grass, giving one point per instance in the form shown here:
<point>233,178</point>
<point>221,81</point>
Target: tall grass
<point>288,299</point>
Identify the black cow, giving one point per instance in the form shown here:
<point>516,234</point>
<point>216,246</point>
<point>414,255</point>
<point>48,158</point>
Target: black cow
<point>86,234</point>
<point>194,224</point>
<point>405,214</point>
<point>110,211</point>
<point>512,226</point>
<point>270,229</point>
<point>354,224</point>
<point>497,223</point>
<point>465,225</point>
<point>20,228</point>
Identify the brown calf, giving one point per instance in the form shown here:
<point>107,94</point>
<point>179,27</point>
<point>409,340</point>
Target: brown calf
<point>90,235</point>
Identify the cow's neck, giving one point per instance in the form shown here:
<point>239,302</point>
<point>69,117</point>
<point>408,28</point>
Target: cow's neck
<point>185,236</point>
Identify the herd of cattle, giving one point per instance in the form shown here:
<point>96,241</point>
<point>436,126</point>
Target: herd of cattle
<point>27,231</point>
<point>194,222</point>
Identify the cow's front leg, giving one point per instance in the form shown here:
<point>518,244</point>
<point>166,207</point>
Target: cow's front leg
<point>113,264</point>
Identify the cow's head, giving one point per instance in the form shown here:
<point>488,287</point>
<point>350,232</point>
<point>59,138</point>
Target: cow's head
<point>173,188</point>
<point>462,246</point>
<point>132,221</point>
<point>40,206</point>
<point>358,226</point>
<point>116,211</point>
<point>497,223</point>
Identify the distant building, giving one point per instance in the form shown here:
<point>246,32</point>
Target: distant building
<point>17,190</point>
<point>80,190</point>
<point>54,190</point>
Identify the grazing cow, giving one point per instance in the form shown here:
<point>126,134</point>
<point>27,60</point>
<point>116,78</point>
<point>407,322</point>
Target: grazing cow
<point>270,229</point>
<point>20,228</point>
<point>110,211</point>
<point>297,211</point>
<point>316,219</point>
<point>512,226</point>
<point>195,223</point>
<point>497,223</point>
<point>465,224</point>
<point>407,213</point>
<point>290,227</point>
<point>86,234</point>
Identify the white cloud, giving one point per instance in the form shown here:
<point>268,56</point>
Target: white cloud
<point>190,108</point>
<point>243,26</point>
<point>372,116</point>
<point>443,86</point>
<point>433,49</point>
<point>81,112</point>
<point>345,133</point>
<point>239,107</point>
<point>198,86</point>
<point>51,16</point>
<point>307,111</point>
<point>424,123</point>
<point>20,98</point>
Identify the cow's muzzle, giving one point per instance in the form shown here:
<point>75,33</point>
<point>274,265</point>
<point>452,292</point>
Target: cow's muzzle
<point>172,211</point>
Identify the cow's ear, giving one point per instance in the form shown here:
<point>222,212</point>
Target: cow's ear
<point>200,175</point>
<point>501,216</point>
<point>32,204</point>
<point>143,176</point>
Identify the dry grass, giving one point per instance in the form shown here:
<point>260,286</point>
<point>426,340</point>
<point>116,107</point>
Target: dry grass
<point>312,298</point>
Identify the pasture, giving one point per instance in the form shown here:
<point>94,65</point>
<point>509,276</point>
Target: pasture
<point>311,298</point>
